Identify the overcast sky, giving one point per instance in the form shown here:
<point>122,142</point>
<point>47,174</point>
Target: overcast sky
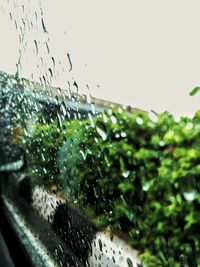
<point>143,53</point>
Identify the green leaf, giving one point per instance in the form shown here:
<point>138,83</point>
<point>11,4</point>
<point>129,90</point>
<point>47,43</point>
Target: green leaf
<point>194,91</point>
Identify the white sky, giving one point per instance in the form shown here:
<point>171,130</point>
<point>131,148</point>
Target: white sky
<point>143,53</point>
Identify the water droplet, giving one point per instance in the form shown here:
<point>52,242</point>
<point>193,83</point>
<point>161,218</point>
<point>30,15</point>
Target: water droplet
<point>123,134</point>
<point>70,62</point>
<point>120,110</point>
<point>162,143</point>
<point>43,26</point>
<point>101,133</point>
<point>125,174</point>
<point>47,47</point>
<point>105,118</point>
<point>36,47</point>
<point>190,196</point>
<point>84,155</point>
<point>50,71</point>
<point>146,186</point>
<point>129,261</point>
<point>100,244</point>
<point>139,121</point>
<point>91,120</point>
<point>113,119</point>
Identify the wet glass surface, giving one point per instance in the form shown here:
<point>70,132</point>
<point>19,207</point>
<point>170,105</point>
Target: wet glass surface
<point>90,182</point>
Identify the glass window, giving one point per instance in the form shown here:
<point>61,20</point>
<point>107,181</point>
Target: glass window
<point>88,178</point>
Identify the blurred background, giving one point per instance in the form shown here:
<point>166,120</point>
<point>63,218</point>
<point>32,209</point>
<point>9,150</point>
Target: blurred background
<point>139,53</point>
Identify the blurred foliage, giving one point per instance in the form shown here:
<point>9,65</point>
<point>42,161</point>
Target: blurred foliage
<point>194,91</point>
<point>138,173</point>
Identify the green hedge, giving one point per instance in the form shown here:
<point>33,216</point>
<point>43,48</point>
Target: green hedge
<point>138,174</point>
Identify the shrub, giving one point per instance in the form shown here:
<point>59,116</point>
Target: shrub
<point>137,174</point>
